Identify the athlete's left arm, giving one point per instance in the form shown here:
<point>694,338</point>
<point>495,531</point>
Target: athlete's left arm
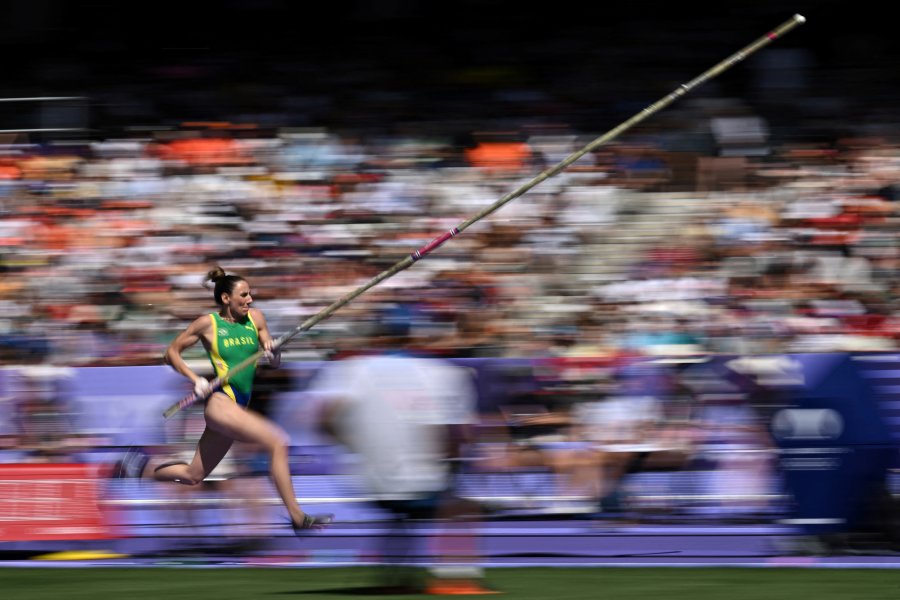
<point>266,342</point>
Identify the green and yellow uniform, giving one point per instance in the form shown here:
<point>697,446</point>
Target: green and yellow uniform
<point>233,343</point>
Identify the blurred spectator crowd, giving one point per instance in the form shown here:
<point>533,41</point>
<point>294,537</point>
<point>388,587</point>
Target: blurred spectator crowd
<point>636,249</point>
<point>745,218</point>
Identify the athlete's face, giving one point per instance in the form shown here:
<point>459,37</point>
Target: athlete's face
<point>239,300</point>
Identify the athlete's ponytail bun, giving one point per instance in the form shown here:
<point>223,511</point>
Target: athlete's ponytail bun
<point>215,274</point>
<point>223,283</point>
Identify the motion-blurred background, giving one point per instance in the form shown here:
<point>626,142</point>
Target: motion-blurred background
<point>696,323</point>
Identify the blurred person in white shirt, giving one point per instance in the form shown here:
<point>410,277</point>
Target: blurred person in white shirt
<point>406,419</point>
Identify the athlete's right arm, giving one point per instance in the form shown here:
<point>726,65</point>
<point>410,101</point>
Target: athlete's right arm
<point>187,338</point>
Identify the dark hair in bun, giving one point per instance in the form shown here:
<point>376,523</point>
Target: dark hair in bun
<point>223,282</point>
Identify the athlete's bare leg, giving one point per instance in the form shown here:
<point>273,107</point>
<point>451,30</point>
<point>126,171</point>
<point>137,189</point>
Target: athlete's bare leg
<point>211,449</point>
<point>227,422</point>
<point>229,419</point>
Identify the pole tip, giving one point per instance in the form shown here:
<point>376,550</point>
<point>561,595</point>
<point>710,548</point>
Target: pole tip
<point>800,18</point>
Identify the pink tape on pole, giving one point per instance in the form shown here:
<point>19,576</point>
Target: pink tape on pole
<point>421,252</point>
<point>771,35</point>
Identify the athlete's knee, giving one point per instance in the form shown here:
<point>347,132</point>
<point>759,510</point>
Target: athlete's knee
<point>188,481</point>
<point>281,445</point>
<point>278,440</point>
<point>191,477</point>
<point>181,478</point>
<point>179,472</point>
